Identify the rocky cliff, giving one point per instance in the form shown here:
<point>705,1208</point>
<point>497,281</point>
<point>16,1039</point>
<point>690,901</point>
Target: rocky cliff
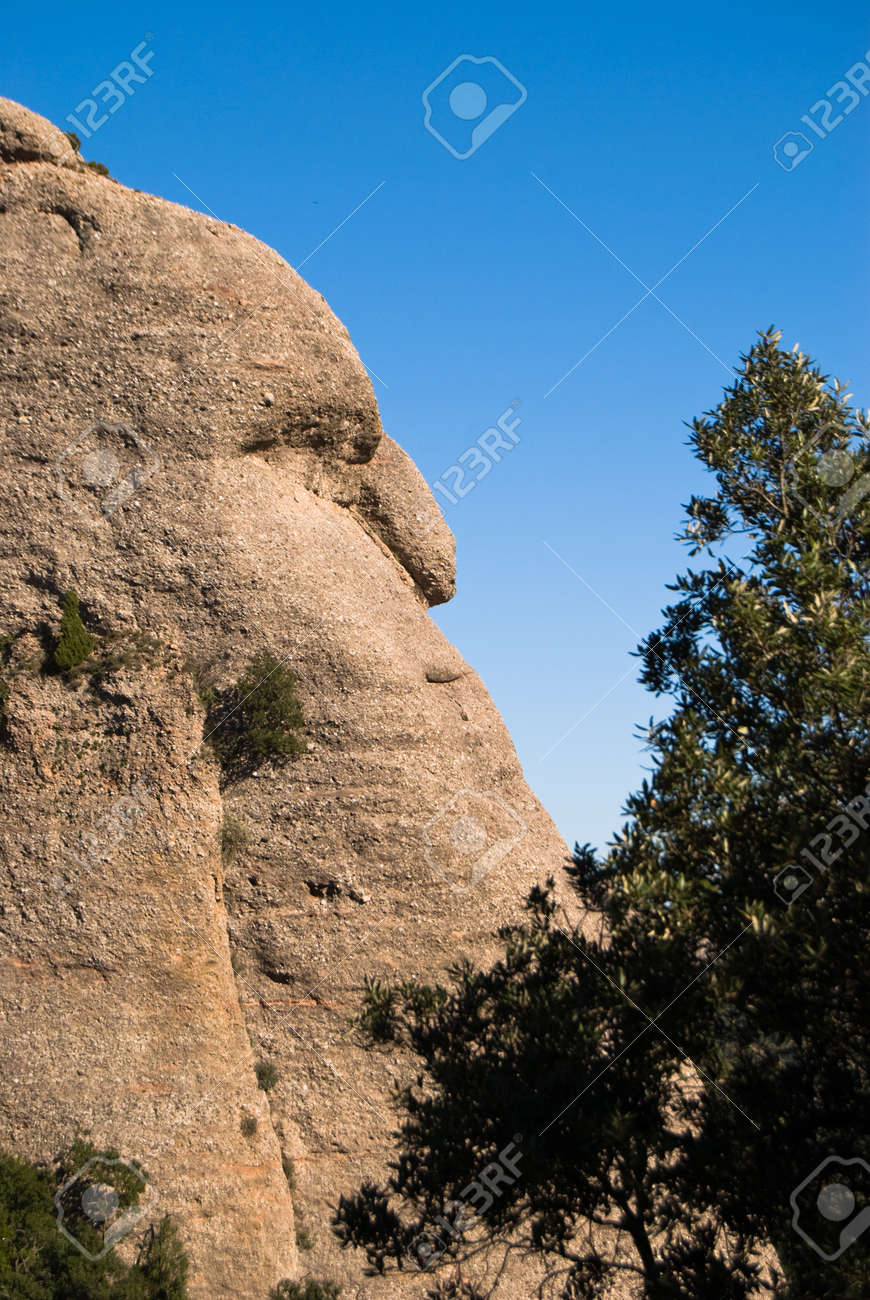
<point>191,443</point>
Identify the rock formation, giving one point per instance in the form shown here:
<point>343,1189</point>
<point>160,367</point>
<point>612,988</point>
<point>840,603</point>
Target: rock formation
<point>191,443</point>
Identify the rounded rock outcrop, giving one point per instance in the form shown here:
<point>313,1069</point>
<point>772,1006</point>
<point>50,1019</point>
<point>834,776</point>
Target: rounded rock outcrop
<point>143,974</point>
<point>27,137</point>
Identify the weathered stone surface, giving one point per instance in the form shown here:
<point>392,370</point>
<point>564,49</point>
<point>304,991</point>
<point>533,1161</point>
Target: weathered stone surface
<point>27,137</point>
<point>190,441</point>
<point>396,502</point>
<point>120,1014</point>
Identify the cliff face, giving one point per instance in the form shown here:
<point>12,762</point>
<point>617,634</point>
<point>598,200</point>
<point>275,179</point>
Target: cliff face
<point>190,442</point>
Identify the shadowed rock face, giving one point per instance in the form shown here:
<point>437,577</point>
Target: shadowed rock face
<point>190,442</point>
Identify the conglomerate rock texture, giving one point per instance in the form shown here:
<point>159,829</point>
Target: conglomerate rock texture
<point>190,442</point>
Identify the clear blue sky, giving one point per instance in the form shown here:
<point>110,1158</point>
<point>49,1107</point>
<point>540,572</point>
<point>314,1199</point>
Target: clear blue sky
<point>465,283</point>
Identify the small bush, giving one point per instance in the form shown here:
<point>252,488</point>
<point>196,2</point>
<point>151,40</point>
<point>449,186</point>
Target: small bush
<point>378,1016</point>
<point>310,1290</point>
<point>289,1172</point>
<point>100,168</point>
<point>38,1263</point>
<point>257,720</point>
<point>234,839</point>
<point>202,671</point>
<point>120,652</point>
<point>74,140</point>
<point>304,1239</point>
<point>163,1263</point>
<point>75,643</point>
<point>267,1075</point>
<point>248,1126</point>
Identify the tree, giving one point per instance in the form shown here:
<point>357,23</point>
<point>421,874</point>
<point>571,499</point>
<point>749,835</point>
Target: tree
<point>163,1263</point>
<point>37,1262</point>
<point>759,798</point>
<point>310,1290</point>
<point>257,719</point>
<point>677,1080</point>
<point>75,643</point>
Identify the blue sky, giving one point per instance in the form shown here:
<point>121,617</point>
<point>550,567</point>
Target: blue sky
<point>643,141</point>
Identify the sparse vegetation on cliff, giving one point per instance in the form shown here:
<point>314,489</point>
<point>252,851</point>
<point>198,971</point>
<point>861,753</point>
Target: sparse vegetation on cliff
<point>234,839</point>
<point>255,721</point>
<point>39,1262</point>
<point>267,1075</point>
<point>119,651</point>
<point>76,143</point>
<point>304,1239</point>
<point>75,643</point>
<point>310,1290</point>
<point>378,1016</point>
<point>163,1263</point>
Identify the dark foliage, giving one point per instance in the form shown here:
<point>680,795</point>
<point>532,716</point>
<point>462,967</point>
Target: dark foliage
<point>310,1290</point>
<point>257,720</point>
<point>37,1262</point>
<point>679,1068</point>
<point>75,643</point>
<point>267,1075</point>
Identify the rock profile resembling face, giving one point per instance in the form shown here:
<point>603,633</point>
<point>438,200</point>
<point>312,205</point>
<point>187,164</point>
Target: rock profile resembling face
<point>191,444</point>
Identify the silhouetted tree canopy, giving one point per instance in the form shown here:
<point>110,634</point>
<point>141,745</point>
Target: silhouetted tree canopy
<point>687,1078</point>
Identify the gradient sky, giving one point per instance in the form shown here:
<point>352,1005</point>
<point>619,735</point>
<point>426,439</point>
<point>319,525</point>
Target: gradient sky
<point>640,157</point>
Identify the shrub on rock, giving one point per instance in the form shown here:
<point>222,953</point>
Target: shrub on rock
<point>75,643</point>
